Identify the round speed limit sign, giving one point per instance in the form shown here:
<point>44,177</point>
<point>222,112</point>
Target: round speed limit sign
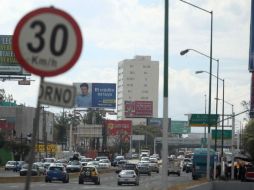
<point>47,42</point>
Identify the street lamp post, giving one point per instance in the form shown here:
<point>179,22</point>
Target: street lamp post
<point>232,138</point>
<point>210,84</point>
<point>222,136</point>
<point>183,52</point>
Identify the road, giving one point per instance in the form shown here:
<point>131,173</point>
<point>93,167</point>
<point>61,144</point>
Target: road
<point>108,182</point>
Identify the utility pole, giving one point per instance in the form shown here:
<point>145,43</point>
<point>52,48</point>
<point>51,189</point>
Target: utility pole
<point>45,132</point>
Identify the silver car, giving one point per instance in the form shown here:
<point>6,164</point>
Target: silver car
<point>128,177</point>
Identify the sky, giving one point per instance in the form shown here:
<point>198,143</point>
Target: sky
<point>114,30</point>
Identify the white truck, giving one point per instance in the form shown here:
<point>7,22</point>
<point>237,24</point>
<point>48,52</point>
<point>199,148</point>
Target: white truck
<point>144,153</point>
<point>174,166</point>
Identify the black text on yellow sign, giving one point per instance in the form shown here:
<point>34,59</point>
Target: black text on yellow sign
<point>50,148</point>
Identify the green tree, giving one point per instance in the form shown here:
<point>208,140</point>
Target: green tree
<point>248,138</point>
<point>61,124</point>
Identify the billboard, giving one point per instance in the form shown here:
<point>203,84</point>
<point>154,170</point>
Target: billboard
<point>138,109</point>
<point>119,128</point>
<point>7,123</point>
<point>95,95</point>
<point>8,63</point>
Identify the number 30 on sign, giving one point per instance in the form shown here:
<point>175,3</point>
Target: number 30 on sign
<point>47,41</point>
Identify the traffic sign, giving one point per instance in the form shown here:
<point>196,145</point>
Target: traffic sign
<point>227,134</point>
<point>203,119</point>
<point>57,94</point>
<point>47,41</point>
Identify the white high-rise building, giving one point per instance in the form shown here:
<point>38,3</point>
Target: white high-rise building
<point>138,80</point>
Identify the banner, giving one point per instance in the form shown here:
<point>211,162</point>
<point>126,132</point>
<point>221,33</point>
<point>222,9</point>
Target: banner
<point>141,109</point>
<point>119,128</point>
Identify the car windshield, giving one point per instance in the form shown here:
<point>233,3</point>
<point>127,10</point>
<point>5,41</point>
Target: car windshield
<point>56,169</point>
<point>11,162</point>
<point>104,161</point>
<point>251,169</point>
<point>75,162</point>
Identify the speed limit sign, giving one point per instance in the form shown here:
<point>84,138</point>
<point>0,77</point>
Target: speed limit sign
<point>47,41</point>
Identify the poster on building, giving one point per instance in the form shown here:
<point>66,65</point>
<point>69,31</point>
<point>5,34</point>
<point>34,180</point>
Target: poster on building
<point>95,95</point>
<point>8,62</point>
<point>119,128</point>
<point>141,109</point>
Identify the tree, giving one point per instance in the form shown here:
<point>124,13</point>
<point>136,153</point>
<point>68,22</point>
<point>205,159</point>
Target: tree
<point>248,138</point>
<point>150,133</point>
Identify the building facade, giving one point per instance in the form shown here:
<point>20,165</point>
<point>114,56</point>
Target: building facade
<point>19,120</point>
<point>138,80</point>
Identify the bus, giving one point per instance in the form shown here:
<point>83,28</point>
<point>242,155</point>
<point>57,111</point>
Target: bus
<point>200,162</point>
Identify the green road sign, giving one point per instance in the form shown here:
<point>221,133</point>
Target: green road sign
<point>227,134</point>
<point>201,120</point>
<point>180,127</point>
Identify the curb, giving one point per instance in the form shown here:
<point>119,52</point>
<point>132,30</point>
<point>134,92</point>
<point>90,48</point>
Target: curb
<point>22,179</point>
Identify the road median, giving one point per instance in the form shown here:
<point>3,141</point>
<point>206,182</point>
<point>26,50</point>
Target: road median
<point>22,179</point>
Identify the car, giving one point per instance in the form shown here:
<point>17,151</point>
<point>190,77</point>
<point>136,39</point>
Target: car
<point>189,167</point>
<point>249,174</point>
<point>89,174</point>
<point>93,163</point>
<point>57,173</point>
<point>128,177</point>
<point>144,158</point>
<point>73,166</point>
<point>154,165</point>
<point>18,166</point>
<point>156,156</point>
<point>41,168</point>
<point>24,170</point>
<point>131,166</point>
<point>144,168</point>
<point>116,160</point>
<point>10,165</point>
<point>104,163</point>
<point>185,162</point>
<point>84,161</point>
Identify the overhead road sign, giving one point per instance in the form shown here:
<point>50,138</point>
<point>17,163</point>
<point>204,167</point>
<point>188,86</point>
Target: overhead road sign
<point>47,41</point>
<point>227,134</point>
<point>201,120</point>
<point>57,94</point>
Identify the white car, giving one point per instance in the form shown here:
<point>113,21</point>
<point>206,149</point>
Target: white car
<point>128,177</point>
<point>10,165</point>
<point>93,163</point>
<point>104,163</point>
<point>84,161</point>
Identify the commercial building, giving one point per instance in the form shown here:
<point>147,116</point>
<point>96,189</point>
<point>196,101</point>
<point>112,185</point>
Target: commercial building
<point>138,80</point>
<point>18,121</point>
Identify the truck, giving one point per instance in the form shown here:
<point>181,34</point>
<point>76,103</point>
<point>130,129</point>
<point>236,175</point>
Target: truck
<point>174,166</point>
<point>144,152</point>
<point>199,166</point>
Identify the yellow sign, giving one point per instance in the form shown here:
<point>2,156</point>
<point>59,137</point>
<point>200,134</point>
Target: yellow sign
<point>50,148</point>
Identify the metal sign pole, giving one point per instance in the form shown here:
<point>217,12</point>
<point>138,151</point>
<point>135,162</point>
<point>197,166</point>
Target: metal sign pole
<point>32,150</point>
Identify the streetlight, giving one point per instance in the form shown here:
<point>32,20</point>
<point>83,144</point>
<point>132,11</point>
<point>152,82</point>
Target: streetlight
<point>232,138</point>
<point>210,84</point>
<point>222,131</point>
<point>183,52</point>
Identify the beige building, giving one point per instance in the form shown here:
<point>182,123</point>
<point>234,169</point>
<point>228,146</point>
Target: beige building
<point>138,80</point>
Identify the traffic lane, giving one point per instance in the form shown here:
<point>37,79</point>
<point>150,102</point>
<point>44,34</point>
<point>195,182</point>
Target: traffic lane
<point>108,182</point>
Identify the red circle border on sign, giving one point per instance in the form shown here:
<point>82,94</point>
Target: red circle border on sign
<point>21,59</point>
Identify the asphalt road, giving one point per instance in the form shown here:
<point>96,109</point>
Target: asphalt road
<point>108,182</point>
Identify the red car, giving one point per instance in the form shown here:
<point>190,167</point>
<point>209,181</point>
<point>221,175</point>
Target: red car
<point>249,174</point>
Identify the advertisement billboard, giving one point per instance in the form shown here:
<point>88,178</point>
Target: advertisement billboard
<point>8,62</point>
<point>95,95</point>
<point>119,128</point>
<point>138,109</point>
